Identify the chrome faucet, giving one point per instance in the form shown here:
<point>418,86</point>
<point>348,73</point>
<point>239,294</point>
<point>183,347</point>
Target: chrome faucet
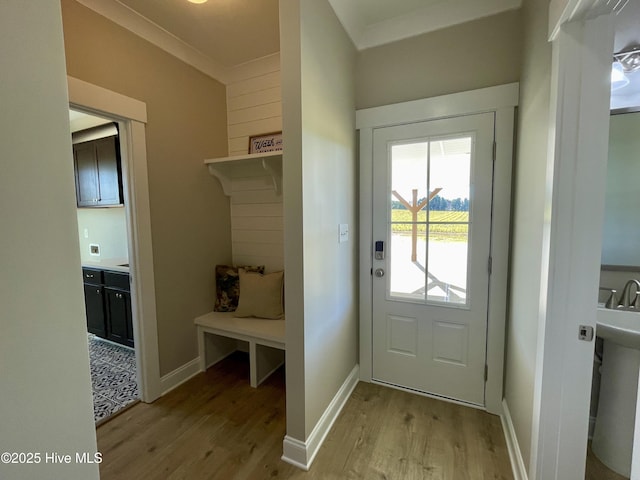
<point>625,300</point>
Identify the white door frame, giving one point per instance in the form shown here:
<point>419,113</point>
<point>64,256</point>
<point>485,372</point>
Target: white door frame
<point>132,117</point>
<point>502,100</point>
<point>582,36</point>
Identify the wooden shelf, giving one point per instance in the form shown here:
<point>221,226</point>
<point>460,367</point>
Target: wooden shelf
<point>227,169</point>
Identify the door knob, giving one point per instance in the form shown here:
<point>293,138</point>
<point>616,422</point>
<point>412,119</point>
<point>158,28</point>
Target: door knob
<point>379,272</point>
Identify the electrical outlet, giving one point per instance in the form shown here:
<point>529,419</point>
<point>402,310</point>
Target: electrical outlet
<point>94,249</point>
<point>86,233</point>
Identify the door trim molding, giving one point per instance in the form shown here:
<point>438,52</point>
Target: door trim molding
<point>576,170</point>
<point>502,100</point>
<point>132,116</point>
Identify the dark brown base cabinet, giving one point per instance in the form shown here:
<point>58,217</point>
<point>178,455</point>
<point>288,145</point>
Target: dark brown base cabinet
<point>94,304</point>
<point>108,305</point>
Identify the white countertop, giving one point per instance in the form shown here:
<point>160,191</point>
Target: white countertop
<point>113,264</point>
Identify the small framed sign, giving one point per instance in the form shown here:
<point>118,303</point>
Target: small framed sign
<point>270,142</point>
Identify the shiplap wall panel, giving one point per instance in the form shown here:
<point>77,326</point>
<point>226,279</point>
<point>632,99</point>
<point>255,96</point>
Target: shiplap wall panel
<point>254,83</point>
<point>251,114</point>
<point>254,127</point>
<point>248,100</point>
<point>266,250</point>
<point>254,107</point>
<point>251,184</point>
<point>259,223</point>
<point>257,210</point>
<point>273,237</point>
<point>238,146</point>
<point>255,196</point>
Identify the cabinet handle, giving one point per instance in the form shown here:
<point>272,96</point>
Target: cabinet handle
<point>89,276</point>
<point>98,291</point>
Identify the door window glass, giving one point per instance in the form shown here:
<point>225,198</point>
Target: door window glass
<point>429,220</point>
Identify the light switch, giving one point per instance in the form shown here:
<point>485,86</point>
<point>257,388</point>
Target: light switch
<point>86,233</point>
<point>343,230</point>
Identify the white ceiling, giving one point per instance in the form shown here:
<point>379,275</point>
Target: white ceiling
<point>219,35</point>
<point>81,121</point>
<point>230,32</point>
<point>370,23</point>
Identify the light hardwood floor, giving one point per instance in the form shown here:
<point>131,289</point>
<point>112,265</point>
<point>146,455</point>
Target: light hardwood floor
<point>217,427</point>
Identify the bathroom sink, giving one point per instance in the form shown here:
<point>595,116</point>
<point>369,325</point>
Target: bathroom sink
<point>619,326</point>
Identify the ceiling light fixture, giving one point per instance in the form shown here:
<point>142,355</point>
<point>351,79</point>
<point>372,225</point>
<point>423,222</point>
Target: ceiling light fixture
<point>197,1</point>
<point>618,78</point>
<point>628,59</point>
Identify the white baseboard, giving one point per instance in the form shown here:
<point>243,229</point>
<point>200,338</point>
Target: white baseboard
<point>515,455</point>
<point>180,375</point>
<point>301,454</point>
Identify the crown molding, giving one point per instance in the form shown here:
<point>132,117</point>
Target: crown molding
<point>158,36</point>
<point>427,19</point>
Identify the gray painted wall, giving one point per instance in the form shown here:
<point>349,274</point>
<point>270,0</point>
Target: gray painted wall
<point>621,229</point>
<point>45,405</point>
<point>477,54</point>
<point>528,222</point>
<point>319,193</point>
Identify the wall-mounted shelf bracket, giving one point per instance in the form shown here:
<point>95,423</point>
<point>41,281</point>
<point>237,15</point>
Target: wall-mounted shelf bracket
<point>228,169</point>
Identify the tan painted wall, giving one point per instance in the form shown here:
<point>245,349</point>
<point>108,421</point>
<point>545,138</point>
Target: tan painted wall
<point>476,54</point>
<point>528,222</point>
<point>320,192</point>
<point>45,404</point>
<point>186,124</point>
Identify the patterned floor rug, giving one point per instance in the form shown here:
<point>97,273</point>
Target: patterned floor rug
<point>113,377</point>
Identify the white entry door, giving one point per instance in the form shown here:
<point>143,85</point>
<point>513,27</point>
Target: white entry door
<point>432,229</point>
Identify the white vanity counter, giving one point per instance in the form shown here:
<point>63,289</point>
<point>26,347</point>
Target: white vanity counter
<point>113,264</point>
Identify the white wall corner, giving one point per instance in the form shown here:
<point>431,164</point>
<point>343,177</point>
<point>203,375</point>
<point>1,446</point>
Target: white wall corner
<point>351,20</point>
<point>515,455</point>
<point>180,375</point>
<point>301,454</point>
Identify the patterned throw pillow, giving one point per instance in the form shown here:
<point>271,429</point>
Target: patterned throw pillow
<point>228,286</point>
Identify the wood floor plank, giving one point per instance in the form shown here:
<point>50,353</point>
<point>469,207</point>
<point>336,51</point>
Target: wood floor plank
<point>217,427</point>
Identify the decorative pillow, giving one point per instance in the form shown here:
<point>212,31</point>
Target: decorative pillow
<point>260,295</point>
<point>228,286</point>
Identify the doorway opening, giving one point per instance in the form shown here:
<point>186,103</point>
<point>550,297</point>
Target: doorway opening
<point>104,253</point>
<point>131,116</point>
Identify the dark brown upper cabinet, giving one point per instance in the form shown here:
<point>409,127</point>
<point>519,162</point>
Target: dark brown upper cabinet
<point>98,169</point>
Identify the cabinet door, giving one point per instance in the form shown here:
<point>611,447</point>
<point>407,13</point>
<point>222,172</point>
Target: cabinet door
<point>94,306</point>
<point>109,183</point>
<point>118,309</point>
<point>84,155</point>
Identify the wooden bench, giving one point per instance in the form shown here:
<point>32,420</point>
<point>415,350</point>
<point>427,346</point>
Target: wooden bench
<point>218,333</point>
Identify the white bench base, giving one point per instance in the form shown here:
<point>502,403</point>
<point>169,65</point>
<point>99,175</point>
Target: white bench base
<point>218,333</point>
